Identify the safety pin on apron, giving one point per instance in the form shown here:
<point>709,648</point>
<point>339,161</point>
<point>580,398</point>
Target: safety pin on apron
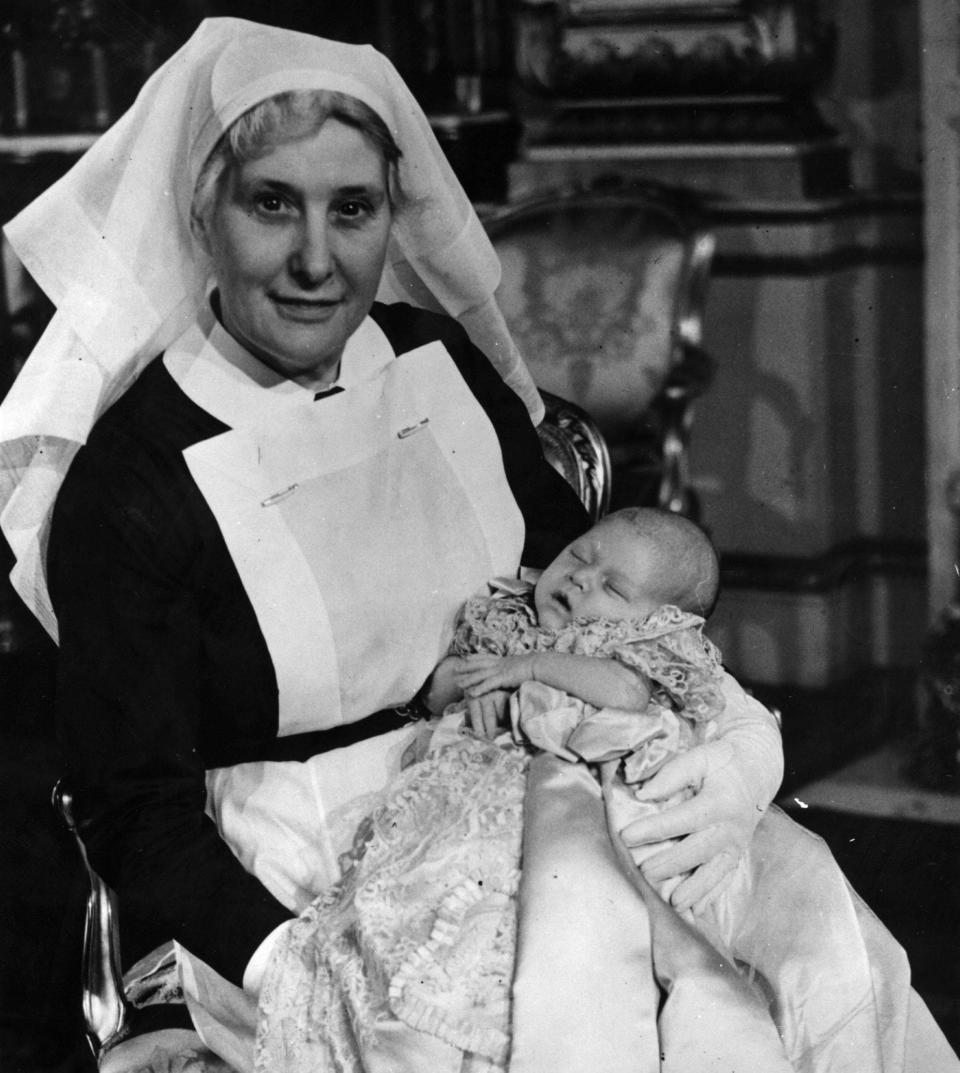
<point>411,429</point>
<point>277,496</point>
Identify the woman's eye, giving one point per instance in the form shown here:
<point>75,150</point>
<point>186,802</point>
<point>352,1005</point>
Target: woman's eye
<point>269,203</point>
<point>353,210</point>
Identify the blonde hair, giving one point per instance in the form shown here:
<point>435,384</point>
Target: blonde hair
<point>285,117</point>
<point>691,578</point>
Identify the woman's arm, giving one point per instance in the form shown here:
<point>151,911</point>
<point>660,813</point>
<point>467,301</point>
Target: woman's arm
<point>132,681</point>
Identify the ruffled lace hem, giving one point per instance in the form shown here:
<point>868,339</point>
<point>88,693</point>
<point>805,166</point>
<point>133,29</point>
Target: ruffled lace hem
<point>474,930</point>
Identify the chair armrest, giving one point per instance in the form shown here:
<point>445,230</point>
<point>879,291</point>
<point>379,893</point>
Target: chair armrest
<point>576,449</point>
<point>104,1008</point>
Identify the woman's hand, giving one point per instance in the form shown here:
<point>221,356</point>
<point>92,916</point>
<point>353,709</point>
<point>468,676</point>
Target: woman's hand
<point>715,825</point>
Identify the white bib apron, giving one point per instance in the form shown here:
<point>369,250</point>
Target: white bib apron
<point>358,525</point>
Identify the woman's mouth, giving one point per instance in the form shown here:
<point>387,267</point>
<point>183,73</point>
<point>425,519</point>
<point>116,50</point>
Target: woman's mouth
<point>308,309</point>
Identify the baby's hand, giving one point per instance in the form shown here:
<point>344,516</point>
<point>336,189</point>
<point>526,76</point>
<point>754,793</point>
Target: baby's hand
<point>486,682</point>
<point>486,705</point>
<point>488,714</point>
<point>479,675</point>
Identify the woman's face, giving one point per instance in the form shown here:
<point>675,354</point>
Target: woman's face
<point>298,239</point>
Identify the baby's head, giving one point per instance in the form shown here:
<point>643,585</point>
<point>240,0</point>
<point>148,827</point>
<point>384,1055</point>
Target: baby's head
<point>629,564</point>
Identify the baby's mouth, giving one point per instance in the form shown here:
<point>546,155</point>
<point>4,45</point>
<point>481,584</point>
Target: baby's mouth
<point>562,599</point>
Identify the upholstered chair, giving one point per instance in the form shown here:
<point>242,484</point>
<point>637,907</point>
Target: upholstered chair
<point>603,288</point>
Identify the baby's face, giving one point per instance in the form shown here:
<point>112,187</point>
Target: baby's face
<point>609,572</point>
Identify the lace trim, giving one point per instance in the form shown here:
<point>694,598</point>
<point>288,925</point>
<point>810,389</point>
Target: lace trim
<point>437,990</point>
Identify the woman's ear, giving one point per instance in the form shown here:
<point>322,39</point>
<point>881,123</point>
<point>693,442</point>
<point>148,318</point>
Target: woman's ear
<point>198,228</point>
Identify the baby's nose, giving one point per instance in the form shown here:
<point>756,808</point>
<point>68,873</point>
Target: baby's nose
<point>580,577</point>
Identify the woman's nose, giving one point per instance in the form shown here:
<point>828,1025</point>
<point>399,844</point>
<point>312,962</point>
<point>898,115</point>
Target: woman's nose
<point>311,261</point>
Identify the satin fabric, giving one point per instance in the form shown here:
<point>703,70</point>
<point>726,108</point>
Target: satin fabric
<point>788,970</point>
<point>584,993</point>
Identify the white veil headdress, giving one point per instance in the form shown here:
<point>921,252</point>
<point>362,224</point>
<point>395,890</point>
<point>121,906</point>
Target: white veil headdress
<point>110,244</point>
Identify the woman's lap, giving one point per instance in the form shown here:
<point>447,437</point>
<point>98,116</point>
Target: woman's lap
<point>838,981</point>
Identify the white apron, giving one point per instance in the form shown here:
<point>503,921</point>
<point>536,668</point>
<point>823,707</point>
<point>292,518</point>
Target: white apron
<point>358,524</point>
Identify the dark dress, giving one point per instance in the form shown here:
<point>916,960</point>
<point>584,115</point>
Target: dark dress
<point>163,669</point>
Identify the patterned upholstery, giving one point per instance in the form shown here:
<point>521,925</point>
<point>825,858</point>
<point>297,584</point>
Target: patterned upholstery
<point>603,289</point>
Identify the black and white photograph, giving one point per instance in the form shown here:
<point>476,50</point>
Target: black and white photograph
<point>480,558</point>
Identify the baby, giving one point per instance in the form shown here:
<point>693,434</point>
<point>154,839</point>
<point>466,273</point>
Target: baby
<point>603,658</point>
<point>653,569</point>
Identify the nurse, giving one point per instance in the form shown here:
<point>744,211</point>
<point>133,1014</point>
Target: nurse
<point>249,479</point>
